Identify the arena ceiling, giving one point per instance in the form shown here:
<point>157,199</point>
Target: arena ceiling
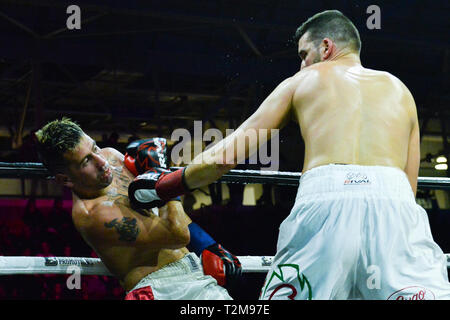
<point>149,67</point>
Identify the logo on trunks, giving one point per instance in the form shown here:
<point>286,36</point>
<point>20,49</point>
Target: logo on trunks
<point>356,178</point>
<point>412,293</point>
<point>287,282</point>
<point>194,266</point>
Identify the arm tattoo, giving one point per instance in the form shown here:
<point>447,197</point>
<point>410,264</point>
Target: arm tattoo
<point>127,228</point>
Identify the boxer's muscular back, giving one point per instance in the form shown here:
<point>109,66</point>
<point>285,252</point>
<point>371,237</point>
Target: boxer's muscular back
<point>353,115</point>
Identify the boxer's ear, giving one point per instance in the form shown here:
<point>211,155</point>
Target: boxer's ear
<point>327,47</point>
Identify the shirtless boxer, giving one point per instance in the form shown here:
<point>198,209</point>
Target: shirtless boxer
<point>355,230</point>
<point>145,251</point>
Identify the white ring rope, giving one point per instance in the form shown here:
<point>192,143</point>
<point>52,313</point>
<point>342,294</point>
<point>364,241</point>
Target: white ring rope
<point>10,265</point>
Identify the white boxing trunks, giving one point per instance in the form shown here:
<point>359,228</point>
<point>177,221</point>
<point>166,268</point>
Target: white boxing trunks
<point>356,232</point>
<point>181,280</point>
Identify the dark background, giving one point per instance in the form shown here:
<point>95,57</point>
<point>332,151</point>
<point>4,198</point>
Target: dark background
<point>145,68</point>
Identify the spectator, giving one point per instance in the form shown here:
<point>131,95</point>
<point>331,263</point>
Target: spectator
<point>32,216</point>
<point>45,250</point>
<point>67,252</point>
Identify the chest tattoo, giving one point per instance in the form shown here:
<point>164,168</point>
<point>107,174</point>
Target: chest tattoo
<point>118,193</point>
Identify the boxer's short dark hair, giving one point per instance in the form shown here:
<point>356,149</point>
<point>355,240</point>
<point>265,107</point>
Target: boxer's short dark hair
<point>330,24</point>
<point>54,140</point>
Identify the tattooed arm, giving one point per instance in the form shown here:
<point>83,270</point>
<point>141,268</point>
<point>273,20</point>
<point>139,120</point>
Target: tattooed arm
<point>118,225</point>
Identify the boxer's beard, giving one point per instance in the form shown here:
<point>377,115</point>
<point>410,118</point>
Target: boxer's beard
<point>317,59</point>
<point>317,55</point>
<point>103,180</point>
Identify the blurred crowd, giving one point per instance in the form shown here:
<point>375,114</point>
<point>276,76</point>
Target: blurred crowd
<point>48,232</point>
<point>33,230</point>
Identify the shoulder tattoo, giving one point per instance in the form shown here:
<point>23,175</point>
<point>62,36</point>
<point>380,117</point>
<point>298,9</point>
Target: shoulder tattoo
<point>126,228</point>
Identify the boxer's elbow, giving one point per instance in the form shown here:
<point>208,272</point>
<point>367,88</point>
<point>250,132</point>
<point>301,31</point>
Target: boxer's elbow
<point>179,238</point>
<point>184,236</point>
<point>179,224</point>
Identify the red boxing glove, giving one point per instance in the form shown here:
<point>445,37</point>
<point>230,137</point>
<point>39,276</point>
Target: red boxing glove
<point>146,156</point>
<point>171,185</point>
<point>221,264</point>
<point>143,155</point>
<point>129,162</point>
<point>155,187</point>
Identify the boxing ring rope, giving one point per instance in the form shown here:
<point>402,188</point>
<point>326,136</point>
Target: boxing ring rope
<point>10,265</point>
<point>93,266</point>
<point>37,170</point>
